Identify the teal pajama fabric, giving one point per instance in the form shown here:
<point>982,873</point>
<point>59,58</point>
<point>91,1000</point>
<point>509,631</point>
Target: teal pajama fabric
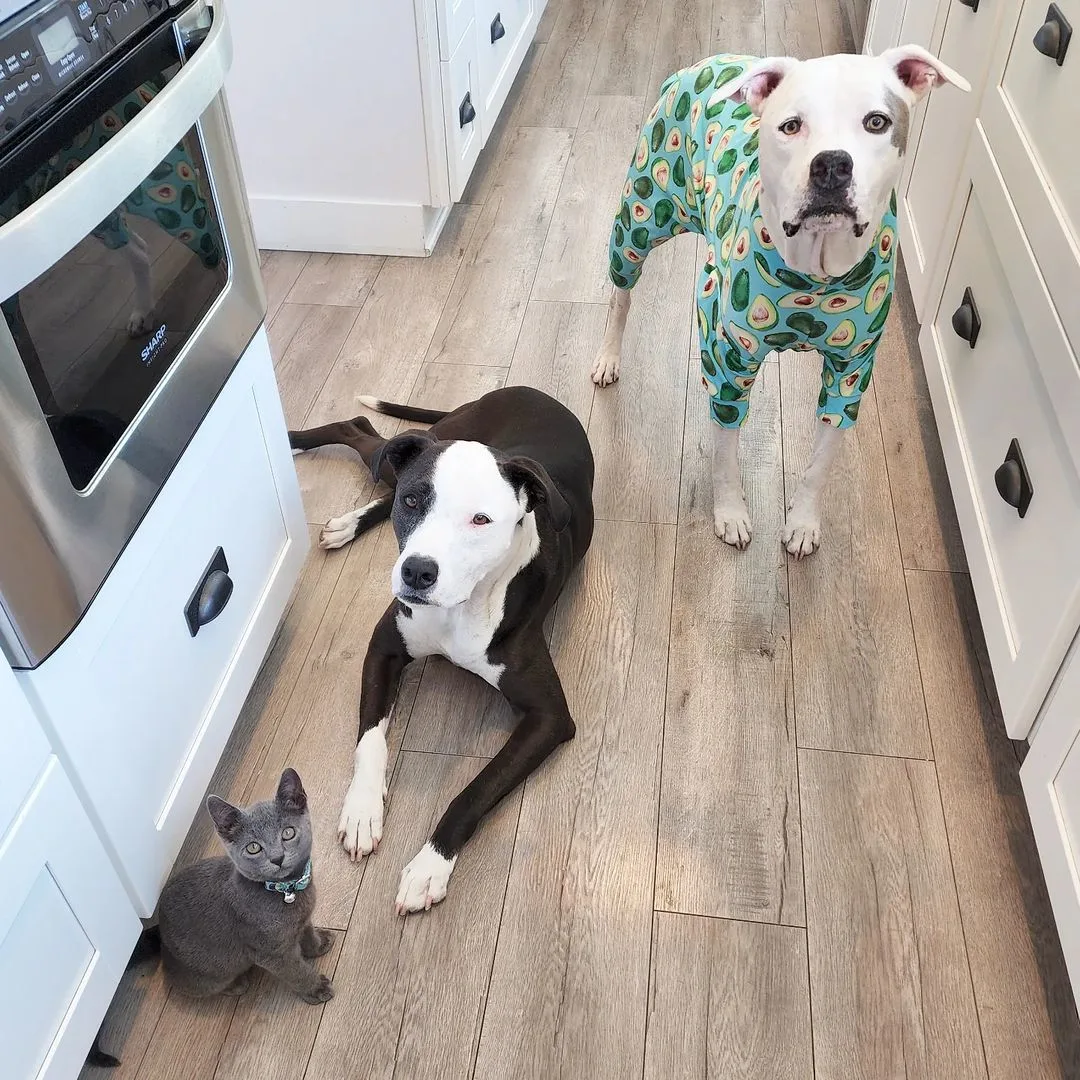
<point>695,169</point>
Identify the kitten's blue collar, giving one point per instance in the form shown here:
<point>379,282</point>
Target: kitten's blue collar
<point>289,889</point>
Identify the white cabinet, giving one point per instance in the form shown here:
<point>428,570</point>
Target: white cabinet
<point>67,926</point>
<point>137,706</point>
<point>358,125</point>
<point>1051,778</point>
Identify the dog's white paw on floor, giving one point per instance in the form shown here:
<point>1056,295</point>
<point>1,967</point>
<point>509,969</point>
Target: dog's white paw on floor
<point>424,880</point>
<point>605,368</point>
<point>360,826</point>
<point>140,323</point>
<point>731,523</point>
<point>802,533</point>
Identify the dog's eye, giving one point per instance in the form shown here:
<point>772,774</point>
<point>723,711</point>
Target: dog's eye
<point>410,501</point>
<point>876,123</point>
<point>253,848</point>
<point>288,833</point>
<point>791,127</point>
<point>481,519</point>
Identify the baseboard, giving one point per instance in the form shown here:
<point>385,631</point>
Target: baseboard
<point>354,228</point>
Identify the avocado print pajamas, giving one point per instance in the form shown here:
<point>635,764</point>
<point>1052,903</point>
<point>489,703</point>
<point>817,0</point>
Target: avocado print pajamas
<point>696,170</point>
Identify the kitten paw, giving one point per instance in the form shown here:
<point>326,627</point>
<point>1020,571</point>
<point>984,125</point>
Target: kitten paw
<point>424,880</point>
<point>240,985</point>
<point>321,942</point>
<point>323,991</point>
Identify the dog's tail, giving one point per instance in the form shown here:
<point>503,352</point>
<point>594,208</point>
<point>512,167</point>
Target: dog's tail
<point>402,412</point>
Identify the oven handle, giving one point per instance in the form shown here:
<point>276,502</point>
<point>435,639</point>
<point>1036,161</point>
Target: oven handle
<point>41,235</point>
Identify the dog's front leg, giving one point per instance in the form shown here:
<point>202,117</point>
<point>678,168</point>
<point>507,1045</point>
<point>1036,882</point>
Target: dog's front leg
<point>802,529</point>
<point>605,368</point>
<point>361,824</point>
<point>534,691</point>
<point>141,319</point>
<point>731,518</point>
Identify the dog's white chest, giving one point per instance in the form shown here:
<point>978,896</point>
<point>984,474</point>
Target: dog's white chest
<point>462,634</point>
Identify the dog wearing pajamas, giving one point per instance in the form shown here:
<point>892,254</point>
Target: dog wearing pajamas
<point>788,169</point>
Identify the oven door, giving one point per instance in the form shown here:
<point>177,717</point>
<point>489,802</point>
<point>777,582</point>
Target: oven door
<point>130,287</point>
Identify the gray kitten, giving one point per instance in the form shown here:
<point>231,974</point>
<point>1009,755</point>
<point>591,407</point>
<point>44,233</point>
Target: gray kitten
<point>224,916</point>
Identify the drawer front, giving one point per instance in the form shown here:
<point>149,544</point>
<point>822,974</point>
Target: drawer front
<point>462,113</point>
<point>454,17</point>
<point>1019,382</point>
<point>140,707</point>
<point>66,931</point>
<point>940,142</point>
<point>1029,114</point>
<point>504,29</point>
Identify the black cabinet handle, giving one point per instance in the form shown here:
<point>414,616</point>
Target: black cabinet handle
<point>973,4</point>
<point>965,319</point>
<point>1012,480</point>
<point>211,594</point>
<point>1052,38</point>
<point>497,28</point>
<point>466,112</point>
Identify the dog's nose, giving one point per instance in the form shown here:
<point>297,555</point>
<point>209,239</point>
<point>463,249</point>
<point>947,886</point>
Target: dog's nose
<point>831,170</point>
<point>419,572</point>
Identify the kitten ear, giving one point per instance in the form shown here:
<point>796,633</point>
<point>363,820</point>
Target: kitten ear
<point>290,792</point>
<point>227,818</point>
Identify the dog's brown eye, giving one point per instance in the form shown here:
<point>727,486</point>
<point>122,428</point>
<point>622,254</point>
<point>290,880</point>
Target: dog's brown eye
<point>791,127</point>
<point>288,833</point>
<point>253,848</point>
<point>409,501</point>
<point>481,519</point>
<point>876,123</point>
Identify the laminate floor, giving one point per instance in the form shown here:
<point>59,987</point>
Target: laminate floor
<point>789,839</point>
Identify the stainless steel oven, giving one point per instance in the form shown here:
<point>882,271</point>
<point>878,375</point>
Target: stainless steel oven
<point>129,284</point>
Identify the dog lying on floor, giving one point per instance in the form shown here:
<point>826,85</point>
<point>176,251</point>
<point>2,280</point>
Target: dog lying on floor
<point>492,508</point>
<point>788,169</point>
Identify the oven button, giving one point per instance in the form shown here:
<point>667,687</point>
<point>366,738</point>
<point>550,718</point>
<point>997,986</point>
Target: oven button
<point>86,10</point>
<point>35,79</point>
<point>12,64</point>
<point>23,87</point>
<point>25,55</point>
<point>9,97</point>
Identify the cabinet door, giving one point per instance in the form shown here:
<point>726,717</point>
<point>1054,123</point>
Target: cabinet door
<point>26,750</point>
<point>1051,779</point>
<point>67,929</point>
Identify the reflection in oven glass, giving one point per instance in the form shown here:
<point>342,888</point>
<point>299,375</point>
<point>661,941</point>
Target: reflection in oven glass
<point>98,331</point>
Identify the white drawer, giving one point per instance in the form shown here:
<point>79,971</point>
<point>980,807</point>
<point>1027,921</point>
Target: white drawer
<point>26,750</point>
<point>939,141</point>
<point>499,60</point>
<point>462,113</point>
<point>454,17</point>
<point>138,707</point>
<point>1051,779</point>
<point>1020,381</point>
<point>66,931</point>
<point>1030,113</point>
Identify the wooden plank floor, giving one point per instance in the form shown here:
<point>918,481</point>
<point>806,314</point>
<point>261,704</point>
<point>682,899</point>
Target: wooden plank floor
<point>789,839</point>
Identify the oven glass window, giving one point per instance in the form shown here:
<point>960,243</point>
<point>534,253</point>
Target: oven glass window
<point>102,327</point>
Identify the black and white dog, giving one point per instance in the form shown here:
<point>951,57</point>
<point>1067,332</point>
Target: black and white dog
<point>492,508</point>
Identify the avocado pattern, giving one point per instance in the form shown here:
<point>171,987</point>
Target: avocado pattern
<point>695,169</point>
<point>170,196</point>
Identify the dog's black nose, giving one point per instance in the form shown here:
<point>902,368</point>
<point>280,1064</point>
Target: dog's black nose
<point>831,170</point>
<point>419,572</point>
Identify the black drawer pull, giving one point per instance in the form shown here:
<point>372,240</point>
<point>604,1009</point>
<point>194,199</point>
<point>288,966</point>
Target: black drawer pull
<point>1052,38</point>
<point>973,4</point>
<point>466,114</point>
<point>211,594</point>
<point>497,28</point>
<point>1012,480</point>
<point>965,319</point>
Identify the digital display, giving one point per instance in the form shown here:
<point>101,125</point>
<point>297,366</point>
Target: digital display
<point>58,39</point>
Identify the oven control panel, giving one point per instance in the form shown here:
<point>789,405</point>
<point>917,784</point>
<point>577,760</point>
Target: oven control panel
<point>46,47</point>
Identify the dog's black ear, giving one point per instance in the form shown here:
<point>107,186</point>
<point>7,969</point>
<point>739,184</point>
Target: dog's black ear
<point>532,478</point>
<point>396,453</point>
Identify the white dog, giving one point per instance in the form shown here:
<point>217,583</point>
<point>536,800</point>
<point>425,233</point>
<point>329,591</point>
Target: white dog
<point>788,168</point>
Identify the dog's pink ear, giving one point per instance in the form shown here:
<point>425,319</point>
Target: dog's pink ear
<point>921,71</point>
<point>756,83</point>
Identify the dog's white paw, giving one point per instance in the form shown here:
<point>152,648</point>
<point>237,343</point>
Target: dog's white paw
<point>731,523</point>
<point>140,323</point>
<point>339,531</point>
<point>360,826</point>
<point>605,368</point>
<point>802,532</point>
<point>424,880</point>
